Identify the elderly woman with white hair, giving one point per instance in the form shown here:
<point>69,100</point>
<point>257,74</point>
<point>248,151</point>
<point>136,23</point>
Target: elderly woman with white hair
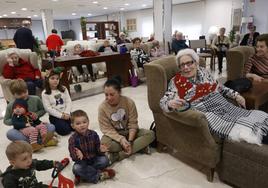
<point>122,39</point>
<point>194,88</point>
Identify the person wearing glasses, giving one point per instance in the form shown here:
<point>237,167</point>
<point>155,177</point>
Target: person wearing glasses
<point>194,88</point>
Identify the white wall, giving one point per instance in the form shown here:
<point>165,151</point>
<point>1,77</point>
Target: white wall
<point>258,10</point>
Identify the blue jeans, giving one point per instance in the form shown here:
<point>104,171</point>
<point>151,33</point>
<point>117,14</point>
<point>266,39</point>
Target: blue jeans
<point>63,127</point>
<point>89,170</point>
<point>32,84</point>
<point>14,134</point>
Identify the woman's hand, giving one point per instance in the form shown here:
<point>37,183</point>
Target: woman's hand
<point>10,62</point>
<point>126,146</point>
<point>255,77</point>
<point>33,115</point>
<point>65,116</point>
<point>241,101</point>
<point>79,154</point>
<point>176,103</point>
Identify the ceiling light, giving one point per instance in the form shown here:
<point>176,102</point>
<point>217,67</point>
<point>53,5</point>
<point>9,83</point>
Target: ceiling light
<point>144,5</point>
<point>24,9</point>
<point>105,8</point>
<point>95,2</point>
<point>127,4</point>
<point>35,15</point>
<point>122,8</point>
<point>89,14</point>
<point>55,0</point>
<point>1,16</point>
<point>5,15</point>
<point>28,16</point>
<point>13,12</point>
<point>73,13</point>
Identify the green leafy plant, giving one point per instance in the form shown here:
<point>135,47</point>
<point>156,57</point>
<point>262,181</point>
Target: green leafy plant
<point>83,22</point>
<point>37,48</point>
<point>1,46</point>
<point>232,35</point>
<point>125,31</point>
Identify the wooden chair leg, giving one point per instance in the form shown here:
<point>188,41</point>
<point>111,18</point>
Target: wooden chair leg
<point>210,174</point>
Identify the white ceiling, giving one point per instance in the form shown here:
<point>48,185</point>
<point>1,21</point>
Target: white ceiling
<point>63,9</point>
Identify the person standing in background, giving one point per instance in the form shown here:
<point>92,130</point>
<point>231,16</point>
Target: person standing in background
<point>24,38</point>
<point>54,43</point>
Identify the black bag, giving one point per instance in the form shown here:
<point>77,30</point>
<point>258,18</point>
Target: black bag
<point>240,85</point>
<point>154,142</point>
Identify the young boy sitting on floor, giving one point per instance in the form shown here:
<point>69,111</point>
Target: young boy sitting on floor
<point>86,151</point>
<point>21,172</point>
<point>19,89</point>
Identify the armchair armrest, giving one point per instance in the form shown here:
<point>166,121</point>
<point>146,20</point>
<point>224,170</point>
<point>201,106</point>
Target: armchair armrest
<point>190,117</point>
<point>4,81</point>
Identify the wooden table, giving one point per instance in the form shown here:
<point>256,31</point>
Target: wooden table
<point>116,64</point>
<point>257,95</point>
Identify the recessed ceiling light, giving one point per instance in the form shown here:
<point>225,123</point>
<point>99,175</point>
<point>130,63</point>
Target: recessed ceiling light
<point>127,4</point>
<point>24,9</point>
<point>89,14</point>
<point>122,8</point>
<point>105,8</point>
<point>95,2</point>
<point>29,16</point>
<point>13,12</point>
<point>144,5</point>
<point>55,0</point>
<point>73,13</point>
<point>5,26</point>
<point>35,15</point>
<point>0,16</point>
<point>5,15</point>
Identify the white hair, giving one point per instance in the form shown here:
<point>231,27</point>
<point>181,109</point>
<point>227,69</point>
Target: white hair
<point>189,52</point>
<point>11,51</point>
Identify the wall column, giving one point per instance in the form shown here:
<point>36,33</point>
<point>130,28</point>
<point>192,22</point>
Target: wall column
<point>47,20</point>
<point>162,12</point>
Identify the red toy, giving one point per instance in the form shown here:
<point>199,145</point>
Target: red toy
<point>63,181</point>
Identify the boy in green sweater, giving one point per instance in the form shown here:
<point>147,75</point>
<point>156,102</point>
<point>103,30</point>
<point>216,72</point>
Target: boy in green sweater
<point>21,172</point>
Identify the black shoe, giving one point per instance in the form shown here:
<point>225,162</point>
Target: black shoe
<point>77,88</point>
<point>85,78</point>
<point>93,79</point>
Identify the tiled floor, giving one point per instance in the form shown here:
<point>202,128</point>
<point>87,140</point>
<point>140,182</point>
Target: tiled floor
<point>158,170</point>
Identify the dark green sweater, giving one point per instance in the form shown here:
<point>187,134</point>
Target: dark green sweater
<point>25,178</point>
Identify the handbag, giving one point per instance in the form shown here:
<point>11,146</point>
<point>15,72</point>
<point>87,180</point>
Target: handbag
<point>240,85</point>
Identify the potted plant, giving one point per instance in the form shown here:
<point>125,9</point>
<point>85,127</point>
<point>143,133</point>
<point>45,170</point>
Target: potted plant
<point>83,22</point>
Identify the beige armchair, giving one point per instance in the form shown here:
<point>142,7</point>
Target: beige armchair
<point>185,134</point>
<point>25,54</point>
<point>236,58</point>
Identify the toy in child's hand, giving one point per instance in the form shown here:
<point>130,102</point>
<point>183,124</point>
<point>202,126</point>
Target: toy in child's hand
<point>104,148</point>
<point>63,181</point>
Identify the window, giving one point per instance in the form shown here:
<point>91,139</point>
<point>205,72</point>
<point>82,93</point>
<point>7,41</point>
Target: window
<point>131,25</point>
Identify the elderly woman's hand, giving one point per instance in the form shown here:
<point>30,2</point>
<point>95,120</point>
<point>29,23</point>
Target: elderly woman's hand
<point>10,62</point>
<point>176,103</point>
<point>255,77</point>
<point>241,101</point>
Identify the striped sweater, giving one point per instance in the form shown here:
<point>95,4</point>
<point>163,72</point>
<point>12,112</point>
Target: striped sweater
<point>257,65</point>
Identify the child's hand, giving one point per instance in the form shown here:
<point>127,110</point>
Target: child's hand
<point>65,116</point>
<point>33,115</point>
<point>104,148</point>
<point>10,62</point>
<point>79,154</point>
<point>37,77</point>
<point>28,125</point>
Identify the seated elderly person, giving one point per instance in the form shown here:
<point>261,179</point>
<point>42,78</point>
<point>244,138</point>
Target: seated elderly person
<point>18,68</point>
<point>138,54</point>
<point>106,47</point>
<point>156,50</point>
<point>193,87</point>
<point>249,39</point>
<point>79,50</point>
<point>178,43</point>
<point>122,39</point>
<point>257,66</point>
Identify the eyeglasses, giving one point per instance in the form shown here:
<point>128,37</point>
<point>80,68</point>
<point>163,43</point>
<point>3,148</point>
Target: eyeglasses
<point>188,64</point>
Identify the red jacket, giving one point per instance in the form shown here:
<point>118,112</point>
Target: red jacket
<point>54,42</point>
<point>24,70</point>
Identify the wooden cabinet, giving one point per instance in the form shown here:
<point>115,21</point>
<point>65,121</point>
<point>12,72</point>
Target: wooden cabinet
<point>11,23</point>
<point>100,30</point>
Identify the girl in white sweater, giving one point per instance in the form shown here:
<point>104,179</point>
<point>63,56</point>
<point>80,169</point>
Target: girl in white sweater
<point>57,102</point>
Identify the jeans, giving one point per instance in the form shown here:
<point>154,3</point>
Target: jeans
<point>89,170</point>
<point>62,126</point>
<point>220,56</point>
<point>14,134</point>
<point>32,84</point>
